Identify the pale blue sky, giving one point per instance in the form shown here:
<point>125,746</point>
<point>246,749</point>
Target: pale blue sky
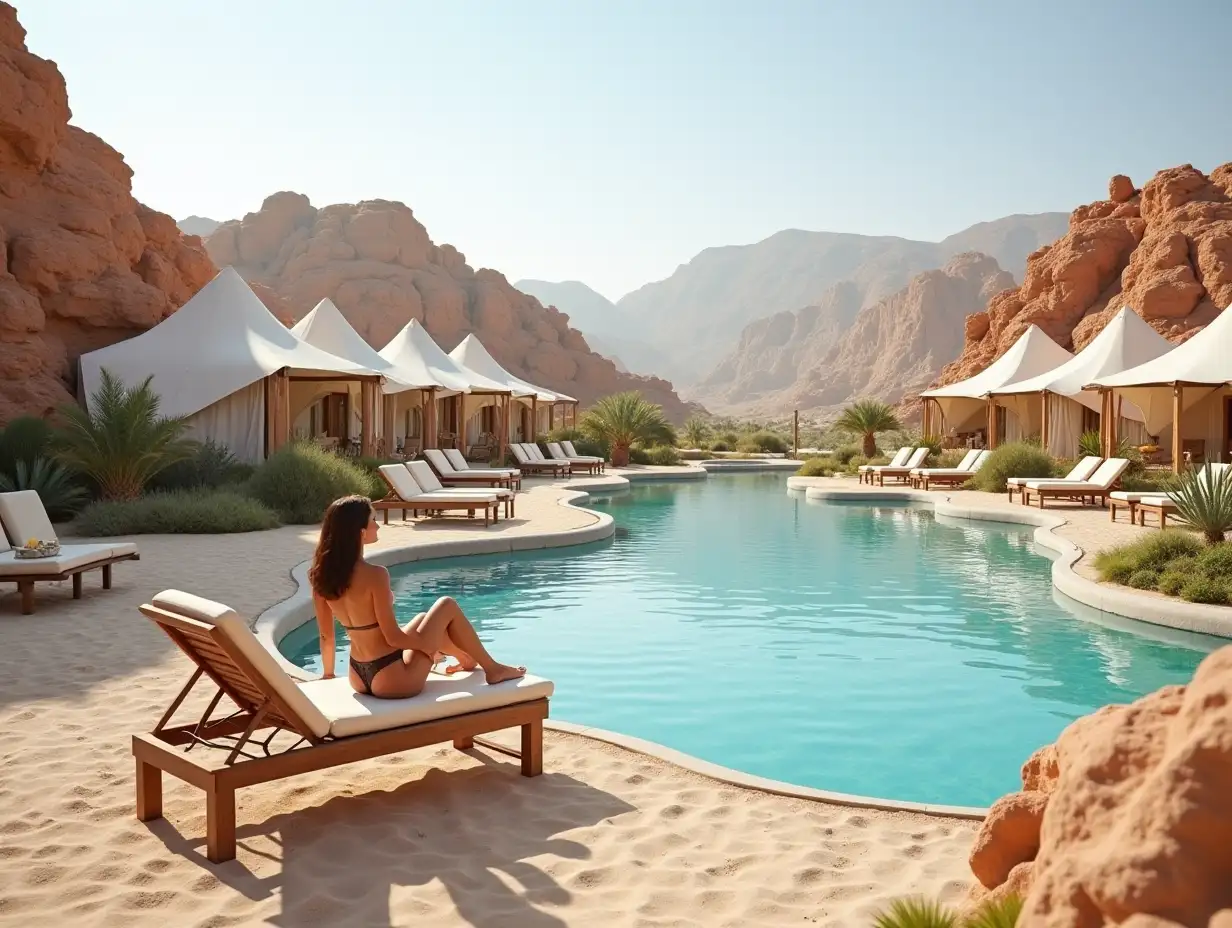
<point>611,141</point>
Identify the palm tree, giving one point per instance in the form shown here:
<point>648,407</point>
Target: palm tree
<point>120,441</point>
<point>696,431</point>
<point>866,418</point>
<point>624,420</point>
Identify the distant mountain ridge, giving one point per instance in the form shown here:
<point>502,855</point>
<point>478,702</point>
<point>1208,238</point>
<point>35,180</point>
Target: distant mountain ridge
<point>701,309</point>
<point>198,225</point>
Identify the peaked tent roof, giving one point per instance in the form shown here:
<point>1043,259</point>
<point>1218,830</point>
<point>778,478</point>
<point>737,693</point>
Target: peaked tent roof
<point>220,341</point>
<point>1034,353</point>
<point>471,353</point>
<point>418,358</point>
<point>326,328</point>
<point>1201,365</point>
<point>1125,342</point>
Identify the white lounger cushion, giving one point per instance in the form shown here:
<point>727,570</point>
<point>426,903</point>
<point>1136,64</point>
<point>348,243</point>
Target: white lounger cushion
<point>572,451</point>
<point>24,518</point>
<point>1103,478</point>
<point>1081,471</point>
<point>558,453</point>
<point>1152,496</point>
<point>964,466</point>
<point>439,461</point>
<point>351,713</point>
<point>899,459</point>
<point>70,557</point>
<point>462,466</point>
<point>916,459</point>
<point>408,490</point>
<point>331,707</point>
<point>425,478</point>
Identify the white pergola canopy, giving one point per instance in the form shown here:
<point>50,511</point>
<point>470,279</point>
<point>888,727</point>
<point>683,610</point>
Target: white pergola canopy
<point>1200,366</point>
<point>1032,354</point>
<point>420,360</point>
<point>327,329</point>
<point>471,354</point>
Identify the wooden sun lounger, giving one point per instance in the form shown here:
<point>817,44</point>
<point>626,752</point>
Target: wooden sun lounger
<point>571,451</point>
<point>591,465</point>
<point>1079,473</point>
<point>267,700</point>
<point>426,478</point>
<point>461,466</point>
<point>451,477</point>
<point>24,517</point>
<point>1158,505</point>
<point>433,505</point>
<point>865,471</point>
<point>901,474</point>
<point>530,465</point>
<point>1096,489</point>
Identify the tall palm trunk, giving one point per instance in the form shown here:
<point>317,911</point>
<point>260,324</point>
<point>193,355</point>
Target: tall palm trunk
<point>870,444</point>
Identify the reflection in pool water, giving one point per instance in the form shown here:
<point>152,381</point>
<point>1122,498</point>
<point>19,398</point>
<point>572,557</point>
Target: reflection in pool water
<point>871,649</point>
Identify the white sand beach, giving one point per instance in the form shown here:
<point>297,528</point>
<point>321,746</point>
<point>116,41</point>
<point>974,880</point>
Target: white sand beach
<point>434,836</point>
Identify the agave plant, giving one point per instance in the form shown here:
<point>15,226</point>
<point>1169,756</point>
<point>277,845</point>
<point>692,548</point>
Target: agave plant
<point>624,420</point>
<point>120,441</point>
<point>866,418</point>
<point>696,431</point>
<point>60,495</point>
<point>1204,500</point>
<point>1002,913</point>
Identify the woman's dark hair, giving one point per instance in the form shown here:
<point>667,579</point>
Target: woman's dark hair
<point>340,547</point>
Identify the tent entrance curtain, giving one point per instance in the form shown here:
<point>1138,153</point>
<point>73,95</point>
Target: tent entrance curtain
<point>236,421</point>
<point>1067,420</point>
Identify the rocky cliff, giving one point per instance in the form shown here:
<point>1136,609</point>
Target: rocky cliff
<point>701,309</point>
<point>1127,819</point>
<point>829,354</point>
<point>1164,250</point>
<point>376,262</point>
<point>82,263</point>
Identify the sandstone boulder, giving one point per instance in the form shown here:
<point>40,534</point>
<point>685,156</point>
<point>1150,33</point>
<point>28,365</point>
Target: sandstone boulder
<point>83,263</point>
<point>377,263</point>
<point>1127,819</point>
<point>1165,251</point>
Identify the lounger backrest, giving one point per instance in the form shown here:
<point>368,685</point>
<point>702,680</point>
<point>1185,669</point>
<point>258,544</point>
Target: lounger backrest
<point>980,458</point>
<point>457,459</point>
<point>520,453</point>
<point>400,481</point>
<point>266,676</point>
<point>437,459</point>
<point>900,457</point>
<point>555,450</point>
<point>24,517</point>
<point>536,453</point>
<point>968,461</point>
<point>424,477</point>
<point>1109,472</point>
<point>917,458</point>
<point>1084,468</point>
<point>569,449</point>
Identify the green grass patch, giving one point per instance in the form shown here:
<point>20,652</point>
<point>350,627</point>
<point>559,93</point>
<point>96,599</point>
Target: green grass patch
<point>1172,562</point>
<point>178,512</point>
<point>816,467</point>
<point>1017,459</point>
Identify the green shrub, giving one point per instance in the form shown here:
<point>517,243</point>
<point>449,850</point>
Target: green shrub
<point>1179,572</point>
<point>663,456</point>
<point>951,458</point>
<point>639,456</point>
<point>211,465</point>
<point>1145,484</point>
<point>720,445</point>
<point>62,496</point>
<point>767,443</point>
<point>182,512</point>
<point>1156,552</point>
<point>845,453</point>
<point>927,913</point>
<point>747,446</point>
<point>695,432</point>
<point>815,467</point>
<point>855,463</point>
<point>25,439</point>
<point>300,480</point>
<point>584,445</point>
<point>1017,459</point>
<point>1216,561</point>
<point>1199,589</point>
<point>729,438</point>
<point>1144,579</point>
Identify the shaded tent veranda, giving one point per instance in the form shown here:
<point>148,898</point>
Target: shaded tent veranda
<point>535,401</point>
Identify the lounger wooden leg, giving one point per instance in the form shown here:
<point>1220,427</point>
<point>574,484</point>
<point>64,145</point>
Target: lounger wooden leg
<point>106,576</point>
<point>464,744</point>
<point>532,748</point>
<point>77,585</point>
<point>149,792</point>
<point>219,824</point>
<point>26,588</point>
<point>1163,519</point>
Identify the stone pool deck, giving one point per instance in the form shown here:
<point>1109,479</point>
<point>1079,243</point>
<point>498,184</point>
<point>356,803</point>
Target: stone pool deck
<point>607,836</point>
<point>1073,531</point>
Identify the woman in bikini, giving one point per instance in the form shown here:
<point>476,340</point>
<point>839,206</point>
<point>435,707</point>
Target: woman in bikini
<point>387,661</point>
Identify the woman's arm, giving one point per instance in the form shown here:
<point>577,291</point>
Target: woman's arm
<point>325,627</point>
<point>383,609</point>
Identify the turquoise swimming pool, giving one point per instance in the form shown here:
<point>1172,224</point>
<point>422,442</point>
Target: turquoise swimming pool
<point>870,649</point>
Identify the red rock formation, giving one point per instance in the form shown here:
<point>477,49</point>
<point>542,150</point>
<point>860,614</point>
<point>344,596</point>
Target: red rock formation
<point>82,264</point>
<point>1165,251</point>
<point>1127,819</point>
<point>377,263</point>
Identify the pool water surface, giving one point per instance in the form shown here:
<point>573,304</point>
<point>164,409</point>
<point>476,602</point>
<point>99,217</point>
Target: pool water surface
<point>874,649</point>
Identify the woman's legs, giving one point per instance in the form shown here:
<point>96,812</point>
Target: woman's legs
<point>447,629</point>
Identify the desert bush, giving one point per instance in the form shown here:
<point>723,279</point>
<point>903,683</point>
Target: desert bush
<point>729,438</point>
<point>1208,590</point>
<point>1178,573</point>
<point>951,458</point>
<point>211,465</point>
<point>1173,562</point>
<point>1016,459</point>
<point>663,456</point>
<point>720,445</point>
<point>62,496</point>
<point>695,432</point>
<point>926,913</point>
<point>301,479</point>
<point>768,443</point>
<point>816,467</point>
<point>1144,579</point>
<point>844,453</point>
<point>25,439</point>
<point>179,512</point>
<point>639,456</point>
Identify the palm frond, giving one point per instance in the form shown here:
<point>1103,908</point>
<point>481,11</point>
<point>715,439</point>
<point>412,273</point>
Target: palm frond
<point>916,913</point>
<point>1001,913</point>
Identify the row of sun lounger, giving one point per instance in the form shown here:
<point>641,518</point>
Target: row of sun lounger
<point>905,467</point>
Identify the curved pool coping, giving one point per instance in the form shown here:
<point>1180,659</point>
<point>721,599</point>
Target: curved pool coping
<point>1107,600</point>
<point>275,622</point>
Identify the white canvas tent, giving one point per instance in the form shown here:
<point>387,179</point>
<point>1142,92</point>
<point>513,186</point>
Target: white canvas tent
<point>1189,384</point>
<point>1052,402</point>
<point>326,328</point>
<point>963,404</point>
<point>224,361</point>
<point>421,360</point>
<point>474,355</point>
